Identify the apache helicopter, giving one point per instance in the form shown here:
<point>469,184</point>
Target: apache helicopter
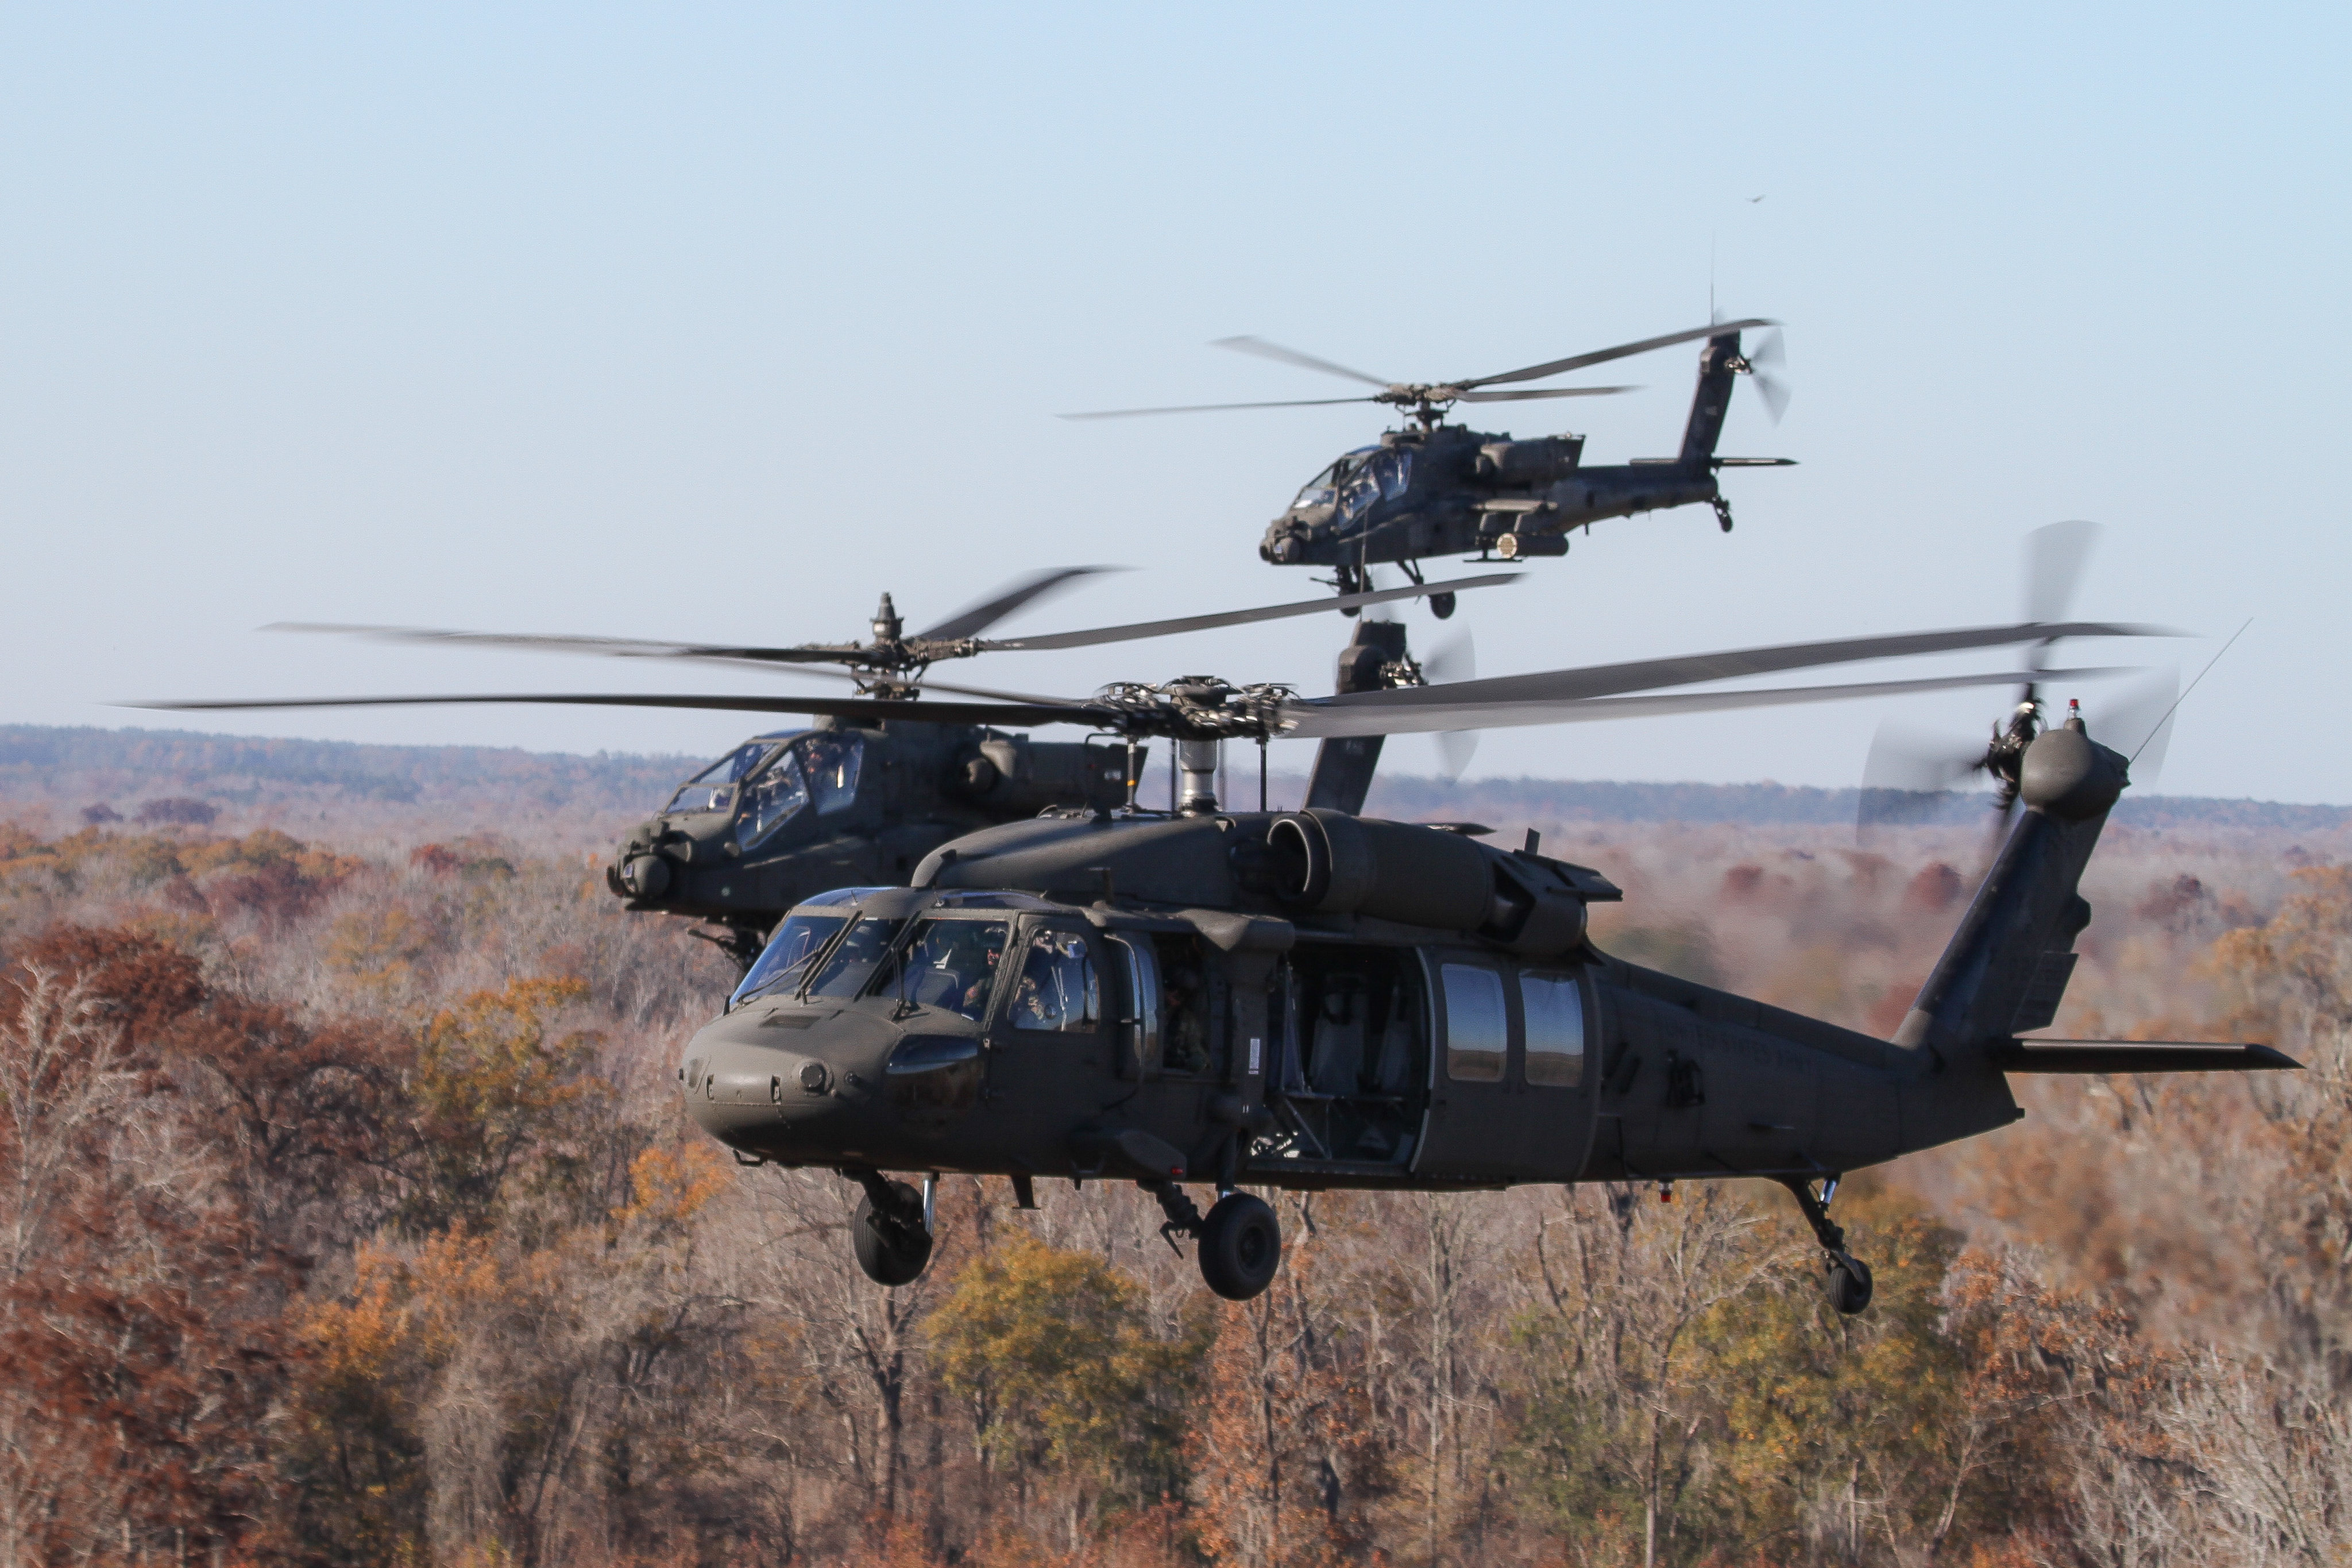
<point>791,812</point>
<point>1445,490</point>
<point>1313,999</point>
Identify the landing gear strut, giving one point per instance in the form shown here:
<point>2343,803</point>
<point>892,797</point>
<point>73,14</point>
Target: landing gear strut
<point>741,944</point>
<point>1723,514</point>
<point>1240,1240</point>
<point>890,1233</point>
<point>1848,1278</point>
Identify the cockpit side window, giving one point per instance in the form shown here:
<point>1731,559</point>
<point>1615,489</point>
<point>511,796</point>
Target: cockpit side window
<point>713,789</point>
<point>1058,989</point>
<point>1378,474</point>
<point>769,801</point>
<point>833,763</point>
<point>949,965</point>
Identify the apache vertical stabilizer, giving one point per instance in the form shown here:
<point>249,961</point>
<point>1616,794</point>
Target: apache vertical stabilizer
<point>1719,369</point>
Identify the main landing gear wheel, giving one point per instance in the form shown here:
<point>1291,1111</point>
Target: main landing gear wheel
<point>1849,1283</point>
<point>1241,1247</point>
<point>889,1237</point>
<point>1442,606</point>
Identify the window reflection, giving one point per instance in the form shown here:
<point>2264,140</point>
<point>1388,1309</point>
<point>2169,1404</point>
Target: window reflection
<point>1477,1030</point>
<point>832,764</point>
<point>1555,1016</point>
<point>770,802</point>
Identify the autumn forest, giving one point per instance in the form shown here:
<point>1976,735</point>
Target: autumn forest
<point>348,1215</point>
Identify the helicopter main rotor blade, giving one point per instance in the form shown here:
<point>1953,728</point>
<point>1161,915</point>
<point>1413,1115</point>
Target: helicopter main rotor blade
<point>1307,721</point>
<point>1263,350</point>
<point>1012,714</point>
<point>1645,675</point>
<point>974,619</point>
<point>1530,392</point>
<point>1622,351</point>
<point>618,647</point>
<point>1241,617</point>
<point>1213,408</point>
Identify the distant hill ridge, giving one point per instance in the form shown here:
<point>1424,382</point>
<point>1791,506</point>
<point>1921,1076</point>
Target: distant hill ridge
<point>74,765</point>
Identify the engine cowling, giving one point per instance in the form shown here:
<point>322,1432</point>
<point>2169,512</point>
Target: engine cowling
<point>1330,863</point>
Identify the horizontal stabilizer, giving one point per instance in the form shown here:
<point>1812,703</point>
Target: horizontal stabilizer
<point>1754,462</point>
<point>2137,1055</point>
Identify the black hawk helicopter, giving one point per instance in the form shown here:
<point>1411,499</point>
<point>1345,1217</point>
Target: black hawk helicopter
<point>1445,490</point>
<point>1314,999</point>
<point>862,800</point>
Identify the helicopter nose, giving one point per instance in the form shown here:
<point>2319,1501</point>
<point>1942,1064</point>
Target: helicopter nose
<point>771,1083</point>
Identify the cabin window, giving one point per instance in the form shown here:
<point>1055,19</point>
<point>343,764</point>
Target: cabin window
<point>770,801</point>
<point>1478,1028</point>
<point>1553,1005</point>
<point>832,764</point>
<point>1184,1004</point>
<point>1140,980</point>
<point>949,965</point>
<point>1058,989</point>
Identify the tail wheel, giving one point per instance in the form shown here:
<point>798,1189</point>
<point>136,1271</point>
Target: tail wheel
<point>891,1247</point>
<point>1241,1247</point>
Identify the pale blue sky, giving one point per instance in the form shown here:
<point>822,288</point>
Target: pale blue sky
<point>712,323</point>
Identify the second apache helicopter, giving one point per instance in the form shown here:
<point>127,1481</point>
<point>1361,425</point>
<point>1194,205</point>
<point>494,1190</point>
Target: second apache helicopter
<point>862,799</point>
<point>1445,489</point>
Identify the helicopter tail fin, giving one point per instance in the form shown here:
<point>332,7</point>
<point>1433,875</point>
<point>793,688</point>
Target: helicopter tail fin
<point>1344,764</point>
<point>2006,968</point>
<point>1715,376</point>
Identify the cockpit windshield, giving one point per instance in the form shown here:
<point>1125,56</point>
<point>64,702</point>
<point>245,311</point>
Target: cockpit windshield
<point>1320,490</point>
<point>784,963</point>
<point>787,954</point>
<point>845,971</point>
<point>769,801</point>
<point>713,789</point>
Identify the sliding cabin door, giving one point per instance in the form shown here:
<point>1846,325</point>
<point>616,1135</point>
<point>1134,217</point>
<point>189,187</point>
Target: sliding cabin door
<point>1511,1097</point>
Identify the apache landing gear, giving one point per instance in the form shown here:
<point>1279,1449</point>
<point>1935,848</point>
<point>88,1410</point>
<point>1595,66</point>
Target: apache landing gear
<point>891,1232</point>
<point>1723,514</point>
<point>1848,1275</point>
<point>1240,1240</point>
